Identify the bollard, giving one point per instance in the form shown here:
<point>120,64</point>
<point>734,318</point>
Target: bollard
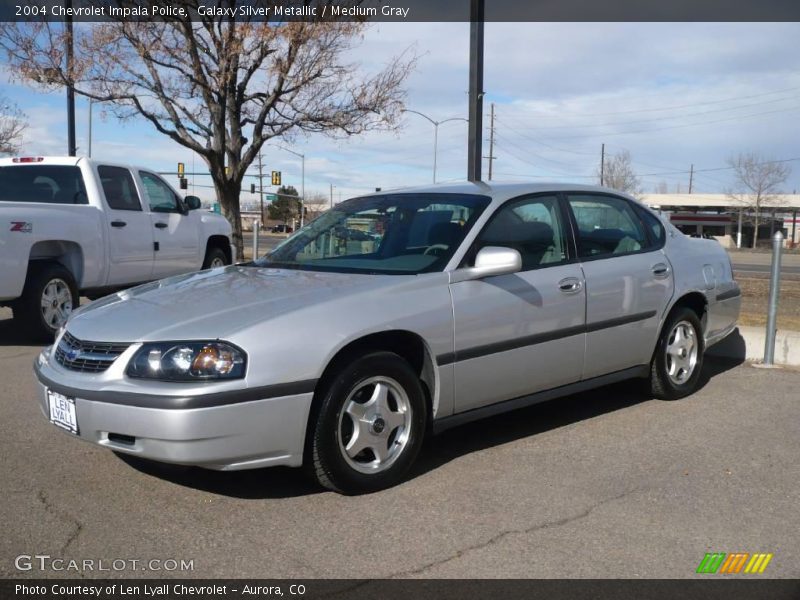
<point>774,290</point>
<point>256,227</point>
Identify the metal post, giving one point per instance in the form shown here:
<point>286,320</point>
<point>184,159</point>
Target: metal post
<point>474,154</point>
<point>774,290</point>
<point>256,227</point>
<point>739,231</point>
<point>261,186</point>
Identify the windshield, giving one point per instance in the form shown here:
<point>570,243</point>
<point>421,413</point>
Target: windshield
<point>400,234</point>
<point>52,184</point>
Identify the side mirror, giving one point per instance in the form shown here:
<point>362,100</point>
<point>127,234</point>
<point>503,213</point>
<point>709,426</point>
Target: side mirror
<point>192,202</point>
<point>490,262</point>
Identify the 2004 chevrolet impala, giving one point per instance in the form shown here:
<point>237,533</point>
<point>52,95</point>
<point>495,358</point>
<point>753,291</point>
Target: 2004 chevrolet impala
<point>387,317</point>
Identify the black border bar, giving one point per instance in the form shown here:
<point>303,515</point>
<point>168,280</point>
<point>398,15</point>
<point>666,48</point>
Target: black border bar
<point>713,588</point>
<point>416,10</point>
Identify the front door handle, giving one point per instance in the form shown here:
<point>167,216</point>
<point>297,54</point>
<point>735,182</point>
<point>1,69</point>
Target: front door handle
<point>570,285</point>
<point>660,270</point>
<point>118,223</point>
<point>161,225</point>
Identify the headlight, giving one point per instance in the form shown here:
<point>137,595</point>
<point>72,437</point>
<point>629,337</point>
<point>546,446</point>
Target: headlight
<point>188,361</point>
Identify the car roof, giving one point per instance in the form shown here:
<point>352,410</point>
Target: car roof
<point>501,191</point>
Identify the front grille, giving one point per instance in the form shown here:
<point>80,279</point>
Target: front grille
<point>87,357</point>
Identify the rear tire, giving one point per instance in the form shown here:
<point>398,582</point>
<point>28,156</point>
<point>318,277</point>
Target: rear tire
<point>48,298</point>
<point>678,359</point>
<point>369,427</point>
<point>215,257</point>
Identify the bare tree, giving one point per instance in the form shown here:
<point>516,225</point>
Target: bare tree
<point>618,174</point>
<point>12,124</point>
<point>662,188</point>
<point>758,181</point>
<point>219,87</point>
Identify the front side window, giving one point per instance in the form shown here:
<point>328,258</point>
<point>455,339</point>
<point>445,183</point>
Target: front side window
<point>532,227</point>
<point>118,188</point>
<point>50,184</point>
<point>162,198</point>
<point>607,226</point>
<point>391,234</point>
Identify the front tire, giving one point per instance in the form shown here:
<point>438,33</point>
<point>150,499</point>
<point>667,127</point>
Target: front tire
<point>215,258</point>
<point>48,298</point>
<point>369,427</point>
<point>678,359</point>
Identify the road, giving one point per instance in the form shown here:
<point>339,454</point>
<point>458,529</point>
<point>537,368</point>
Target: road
<point>602,484</point>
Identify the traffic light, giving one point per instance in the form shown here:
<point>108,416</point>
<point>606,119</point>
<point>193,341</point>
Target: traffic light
<point>300,209</point>
<point>184,183</point>
<point>181,167</point>
<point>276,178</point>
<point>252,188</point>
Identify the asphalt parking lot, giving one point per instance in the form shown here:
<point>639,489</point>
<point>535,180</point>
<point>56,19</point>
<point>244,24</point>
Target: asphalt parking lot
<point>602,484</point>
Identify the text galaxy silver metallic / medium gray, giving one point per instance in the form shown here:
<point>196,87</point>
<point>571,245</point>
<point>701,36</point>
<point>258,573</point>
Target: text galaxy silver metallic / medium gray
<point>388,317</point>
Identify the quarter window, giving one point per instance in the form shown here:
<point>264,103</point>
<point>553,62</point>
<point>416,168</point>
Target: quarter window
<point>607,226</point>
<point>532,227</point>
<point>118,188</point>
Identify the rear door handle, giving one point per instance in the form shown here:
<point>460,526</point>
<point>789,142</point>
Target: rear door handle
<point>570,285</point>
<point>118,223</point>
<point>161,225</point>
<point>660,270</point>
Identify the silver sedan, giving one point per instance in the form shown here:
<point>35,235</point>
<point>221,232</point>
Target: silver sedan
<point>391,316</point>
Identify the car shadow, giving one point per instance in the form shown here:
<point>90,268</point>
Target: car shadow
<point>13,333</point>
<point>284,482</point>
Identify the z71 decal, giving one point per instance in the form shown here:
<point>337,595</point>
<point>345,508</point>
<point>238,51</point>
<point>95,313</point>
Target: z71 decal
<point>21,226</point>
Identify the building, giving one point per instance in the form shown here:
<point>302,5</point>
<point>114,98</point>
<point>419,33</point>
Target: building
<point>729,221</point>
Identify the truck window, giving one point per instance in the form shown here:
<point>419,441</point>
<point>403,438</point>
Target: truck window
<point>119,189</point>
<point>49,184</point>
<point>162,198</point>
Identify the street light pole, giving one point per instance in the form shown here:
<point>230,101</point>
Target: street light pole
<point>435,133</point>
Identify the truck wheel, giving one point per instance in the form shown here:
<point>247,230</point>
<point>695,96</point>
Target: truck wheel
<point>369,427</point>
<point>49,296</point>
<point>678,359</point>
<point>215,257</point>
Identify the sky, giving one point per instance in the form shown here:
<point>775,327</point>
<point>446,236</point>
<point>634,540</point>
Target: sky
<point>671,94</point>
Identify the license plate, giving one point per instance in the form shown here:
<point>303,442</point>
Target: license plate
<point>62,411</point>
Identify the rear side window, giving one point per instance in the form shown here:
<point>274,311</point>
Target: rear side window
<point>119,189</point>
<point>655,227</point>
<point>48,184</point>
<point>607,226</point>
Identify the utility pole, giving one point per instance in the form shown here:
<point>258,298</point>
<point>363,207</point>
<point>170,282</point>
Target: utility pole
<point>71,148</point>
<point>89,153</point>
<point>602,163</point>
<point>331,195</point>
<point>261,186</point>
<point>491,156</point>
<point>691,178</point>
<point>474,153</point>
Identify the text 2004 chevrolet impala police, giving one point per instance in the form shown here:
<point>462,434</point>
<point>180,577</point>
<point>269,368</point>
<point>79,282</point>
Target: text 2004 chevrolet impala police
<point>390,316</point>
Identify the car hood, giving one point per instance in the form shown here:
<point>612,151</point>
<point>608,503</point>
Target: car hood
<point>213,304</point>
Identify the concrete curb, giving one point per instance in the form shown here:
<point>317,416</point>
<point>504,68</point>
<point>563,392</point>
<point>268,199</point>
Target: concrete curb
<point>747,343</point>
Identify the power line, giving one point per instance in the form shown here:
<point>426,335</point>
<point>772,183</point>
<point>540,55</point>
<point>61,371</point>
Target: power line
<point>675,107</point>
<point>662,118</point>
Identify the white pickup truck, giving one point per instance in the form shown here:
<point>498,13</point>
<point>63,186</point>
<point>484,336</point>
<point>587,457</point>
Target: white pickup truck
<point>71,225</point>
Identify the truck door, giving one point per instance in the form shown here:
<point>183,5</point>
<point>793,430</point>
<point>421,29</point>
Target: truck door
<point>177,234</point>
<point>130,232</point>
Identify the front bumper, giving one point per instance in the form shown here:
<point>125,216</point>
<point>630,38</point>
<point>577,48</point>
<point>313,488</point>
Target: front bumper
<point>223,431</point>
